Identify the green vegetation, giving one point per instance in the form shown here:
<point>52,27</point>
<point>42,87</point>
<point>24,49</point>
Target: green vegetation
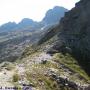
<point>39,78</point>
<point>71,63</point>
<point>15,77</point>
<point>41,81</point>
<point>28,51</point>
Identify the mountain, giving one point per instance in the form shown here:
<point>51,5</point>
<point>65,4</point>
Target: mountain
<point>50,58</point>
<point>26,22</point>
<point>14,38</point>
<point>61,56</point>
<point>73,34</point>
<point>54,15</point>
<point>8,26</point>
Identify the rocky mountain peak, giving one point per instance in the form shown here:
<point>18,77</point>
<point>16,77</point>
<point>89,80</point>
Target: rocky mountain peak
<point>53,15</point>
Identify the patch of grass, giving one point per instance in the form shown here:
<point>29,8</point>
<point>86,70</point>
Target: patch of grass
<point>71,63</point>
<point>38,78</point>
<point>15,77</point>
<point>29,77</point>
<point>50,84</point>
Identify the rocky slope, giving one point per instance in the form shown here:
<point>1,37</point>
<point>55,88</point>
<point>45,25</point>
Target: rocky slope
<point>75,34</point>
<point>63,43</point>
<point>74,37</point>
<point>41,71</point>
<point>70,38</point>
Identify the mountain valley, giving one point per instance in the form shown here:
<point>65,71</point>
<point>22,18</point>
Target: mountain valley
<point>49,55</point>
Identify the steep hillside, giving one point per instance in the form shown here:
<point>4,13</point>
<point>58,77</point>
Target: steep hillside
<point>76,33</point>
<point>74,36</point>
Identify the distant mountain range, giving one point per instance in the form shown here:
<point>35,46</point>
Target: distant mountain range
<point>52,16</point>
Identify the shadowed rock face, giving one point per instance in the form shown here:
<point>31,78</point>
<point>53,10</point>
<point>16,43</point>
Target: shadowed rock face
<point>75,33</point>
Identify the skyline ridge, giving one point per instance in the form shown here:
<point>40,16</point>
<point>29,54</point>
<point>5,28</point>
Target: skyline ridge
<point>15,10</point>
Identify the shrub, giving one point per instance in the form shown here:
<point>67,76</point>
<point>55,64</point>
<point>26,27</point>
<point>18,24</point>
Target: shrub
<point>15,78</point>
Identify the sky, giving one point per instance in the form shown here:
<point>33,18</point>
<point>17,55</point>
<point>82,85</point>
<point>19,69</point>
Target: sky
<point>15,10</point>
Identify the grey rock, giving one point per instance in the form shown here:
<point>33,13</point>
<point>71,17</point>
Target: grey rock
<point>74,34</point>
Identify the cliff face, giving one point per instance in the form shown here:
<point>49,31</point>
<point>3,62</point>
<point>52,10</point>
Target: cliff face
<point>74,33</point>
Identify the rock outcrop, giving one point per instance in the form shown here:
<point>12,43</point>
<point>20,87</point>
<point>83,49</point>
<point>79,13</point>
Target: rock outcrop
<point>67,83</point>
<point>74,33</point>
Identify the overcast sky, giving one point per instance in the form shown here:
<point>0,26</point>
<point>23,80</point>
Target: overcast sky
<point>15,10</point>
